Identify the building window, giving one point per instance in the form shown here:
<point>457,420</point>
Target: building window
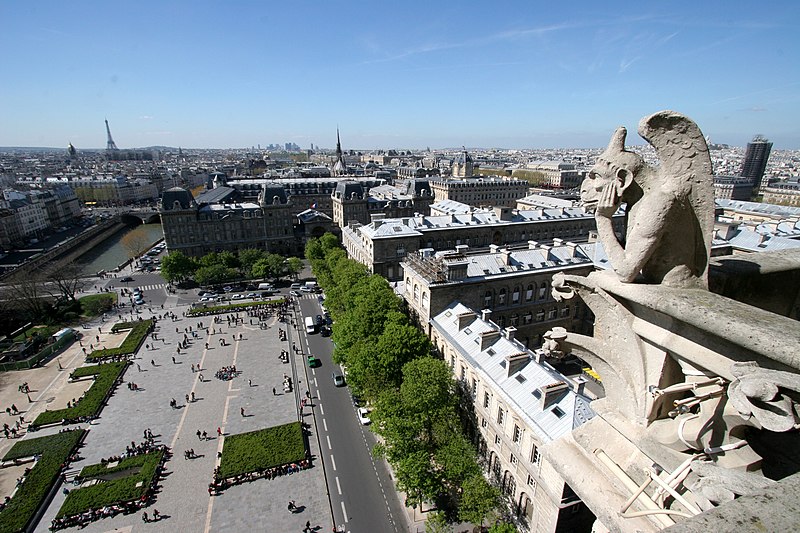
<point>539,316</point>
<point>500,416</point>
<point>527,318</point>
<point>416,292</point>
<point>514,320</point>
<point>486,400</point>
<point>531,481</point>
<point>463,373</point>
<point>515,296</point>
<point>497,439</point>
<point>543,291</point>
<point>487,299</point>
<point>529,293</point>
<point>565,312</point>
<point>535,455</point>
<point>513,459</point>
<point>474,388</point>
<point>517,434</point>
<point>484,423</point>
<point>551,314</point>
<point>501,297</point>
<point>401,251</point>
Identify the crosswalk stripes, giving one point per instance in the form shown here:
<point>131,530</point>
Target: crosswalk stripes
<point>153,287</point>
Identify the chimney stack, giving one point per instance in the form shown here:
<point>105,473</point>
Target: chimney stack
<point>510,331</point>
<point>465,318</point>
<point>485,314</point>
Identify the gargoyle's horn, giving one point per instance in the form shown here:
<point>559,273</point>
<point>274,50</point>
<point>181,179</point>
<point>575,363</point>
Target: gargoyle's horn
<point>617,142</point>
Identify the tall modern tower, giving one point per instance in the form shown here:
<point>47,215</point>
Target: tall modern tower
<point>755,160</point>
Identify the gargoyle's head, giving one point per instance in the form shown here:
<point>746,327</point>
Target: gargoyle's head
<point>616,165</point>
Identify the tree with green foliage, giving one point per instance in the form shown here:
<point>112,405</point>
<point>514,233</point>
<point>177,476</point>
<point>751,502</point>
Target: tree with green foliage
<point>270,266</point>
<point>294,265</point>
<point>437,523</point>
<point>478,499</point>
<point>177,267</point>
<point>215,274</point>
<point>248,258</point>
<point>229,259</point>
<point>503,527</point>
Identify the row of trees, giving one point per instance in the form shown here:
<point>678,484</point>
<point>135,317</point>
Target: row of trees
<point>222,267</point>
<point>413,394</point>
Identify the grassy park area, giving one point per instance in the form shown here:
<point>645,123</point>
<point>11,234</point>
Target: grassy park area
<point>262,449</point>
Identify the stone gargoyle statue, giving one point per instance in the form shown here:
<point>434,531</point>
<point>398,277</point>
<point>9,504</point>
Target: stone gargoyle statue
<point>670,208</point>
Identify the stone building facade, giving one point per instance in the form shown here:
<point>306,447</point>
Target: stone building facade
<point>514,285</point>
<point>353,201</point>
<point>382,244</point>
<point>520,404</point>
<point>480,191</point>
<point>557,174</point>
<point>733,187</point>
<point>217,220</point>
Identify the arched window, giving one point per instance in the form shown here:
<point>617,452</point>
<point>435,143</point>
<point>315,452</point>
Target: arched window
<point>515,295</point>
<point>501,297</point>
<point>542,291</point>
<point>416,292</point>
<point>529,293</point>
<point>424,300</point>
<point>487,299</point>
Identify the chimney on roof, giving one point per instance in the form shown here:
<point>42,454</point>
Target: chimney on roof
<point>579,385</point>
<point>493,248</point>
<point>552,393</point>
<point>463,319</point>
<point>573,249</point>
<point>506,256</point>
<point>485,314</point>
<point>516,362</point>
<point>558,242</point>
<point>488,338</point>
<point>510,331</point>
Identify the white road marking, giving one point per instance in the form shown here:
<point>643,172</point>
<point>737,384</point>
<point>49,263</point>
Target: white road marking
<point>329,442</point>
<point>338,487</point>
<point>333,462</point>
<point>315,385</point>
<point>325,424</point>
<point>321,410</point>
<point>344,513</point>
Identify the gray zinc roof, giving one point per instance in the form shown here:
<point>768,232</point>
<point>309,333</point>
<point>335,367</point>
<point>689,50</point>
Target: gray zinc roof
<point>519,389</point>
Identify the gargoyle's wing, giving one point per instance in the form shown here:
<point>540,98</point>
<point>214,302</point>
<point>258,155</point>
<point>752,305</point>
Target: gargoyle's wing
<point>686,170</point>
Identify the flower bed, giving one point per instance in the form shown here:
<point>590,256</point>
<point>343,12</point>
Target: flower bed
<point>259,450</point>
<point>54,451</point>
<point>92,402</point>
<point>143,471</point>
<point>227,308</point>
<point>139,330</point>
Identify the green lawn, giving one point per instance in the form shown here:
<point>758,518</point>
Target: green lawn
<point>139,330</point>
<point>97,304</point>
<point>92,402</point>
<point>54,451</point>
<point>227,308</point>
<point>42,331</point>
<point>138,473</point>
<point>262,449</point>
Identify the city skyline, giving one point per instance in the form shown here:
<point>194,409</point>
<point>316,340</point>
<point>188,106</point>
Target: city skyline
<point>522,75</point>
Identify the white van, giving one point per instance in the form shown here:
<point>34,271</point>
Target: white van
<point>311,325</point>
<point>265,287</point>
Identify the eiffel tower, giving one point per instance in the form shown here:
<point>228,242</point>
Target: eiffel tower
<point>110,145</point>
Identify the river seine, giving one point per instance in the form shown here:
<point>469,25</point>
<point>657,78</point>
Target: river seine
<point>111,253</point>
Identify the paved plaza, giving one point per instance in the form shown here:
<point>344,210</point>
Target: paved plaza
<point>183,500</point>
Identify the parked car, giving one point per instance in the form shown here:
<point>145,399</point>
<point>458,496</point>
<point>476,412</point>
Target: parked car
<point>325,331</point>
<point>252,295</point>
<point>338,379</point>
<point>126,279</point>
<point>294,293</point>
<point>312,361</point>
<point>238,297</point>
<point>138,300</point>
<point>362,416</point>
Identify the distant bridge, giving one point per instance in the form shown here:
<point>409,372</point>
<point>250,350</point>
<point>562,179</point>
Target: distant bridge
<point>136,216</point>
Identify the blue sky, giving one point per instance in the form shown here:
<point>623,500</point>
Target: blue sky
<point>399,75</point>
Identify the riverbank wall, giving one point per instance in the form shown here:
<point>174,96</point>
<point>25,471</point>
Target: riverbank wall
<point>72,249</point>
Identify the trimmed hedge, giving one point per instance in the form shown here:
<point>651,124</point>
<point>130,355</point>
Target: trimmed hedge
<point>229,307</point>
<point>125,489</point>
<point>92,402</point>
<point>139,330</point>
<point>262,449</point>
<point>55,451</point>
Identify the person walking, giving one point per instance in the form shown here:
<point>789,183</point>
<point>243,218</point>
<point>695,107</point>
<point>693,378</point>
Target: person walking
<point>241,410</point>
<point>219,432</point>
<point>199,435</point>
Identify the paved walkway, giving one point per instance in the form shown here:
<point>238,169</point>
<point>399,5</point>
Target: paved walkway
<point>183,499</point>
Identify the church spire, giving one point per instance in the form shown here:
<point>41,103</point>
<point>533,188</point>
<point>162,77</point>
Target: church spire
<point>339,166</point>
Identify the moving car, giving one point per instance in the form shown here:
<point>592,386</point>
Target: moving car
<point>252,295</point>
<point>325,331</point>
<point>338,379</point>
<point>126,279</point>
<point>238,297</point>
<point>138,300</point>
<point>312,361</point>
<point>362,416</point>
